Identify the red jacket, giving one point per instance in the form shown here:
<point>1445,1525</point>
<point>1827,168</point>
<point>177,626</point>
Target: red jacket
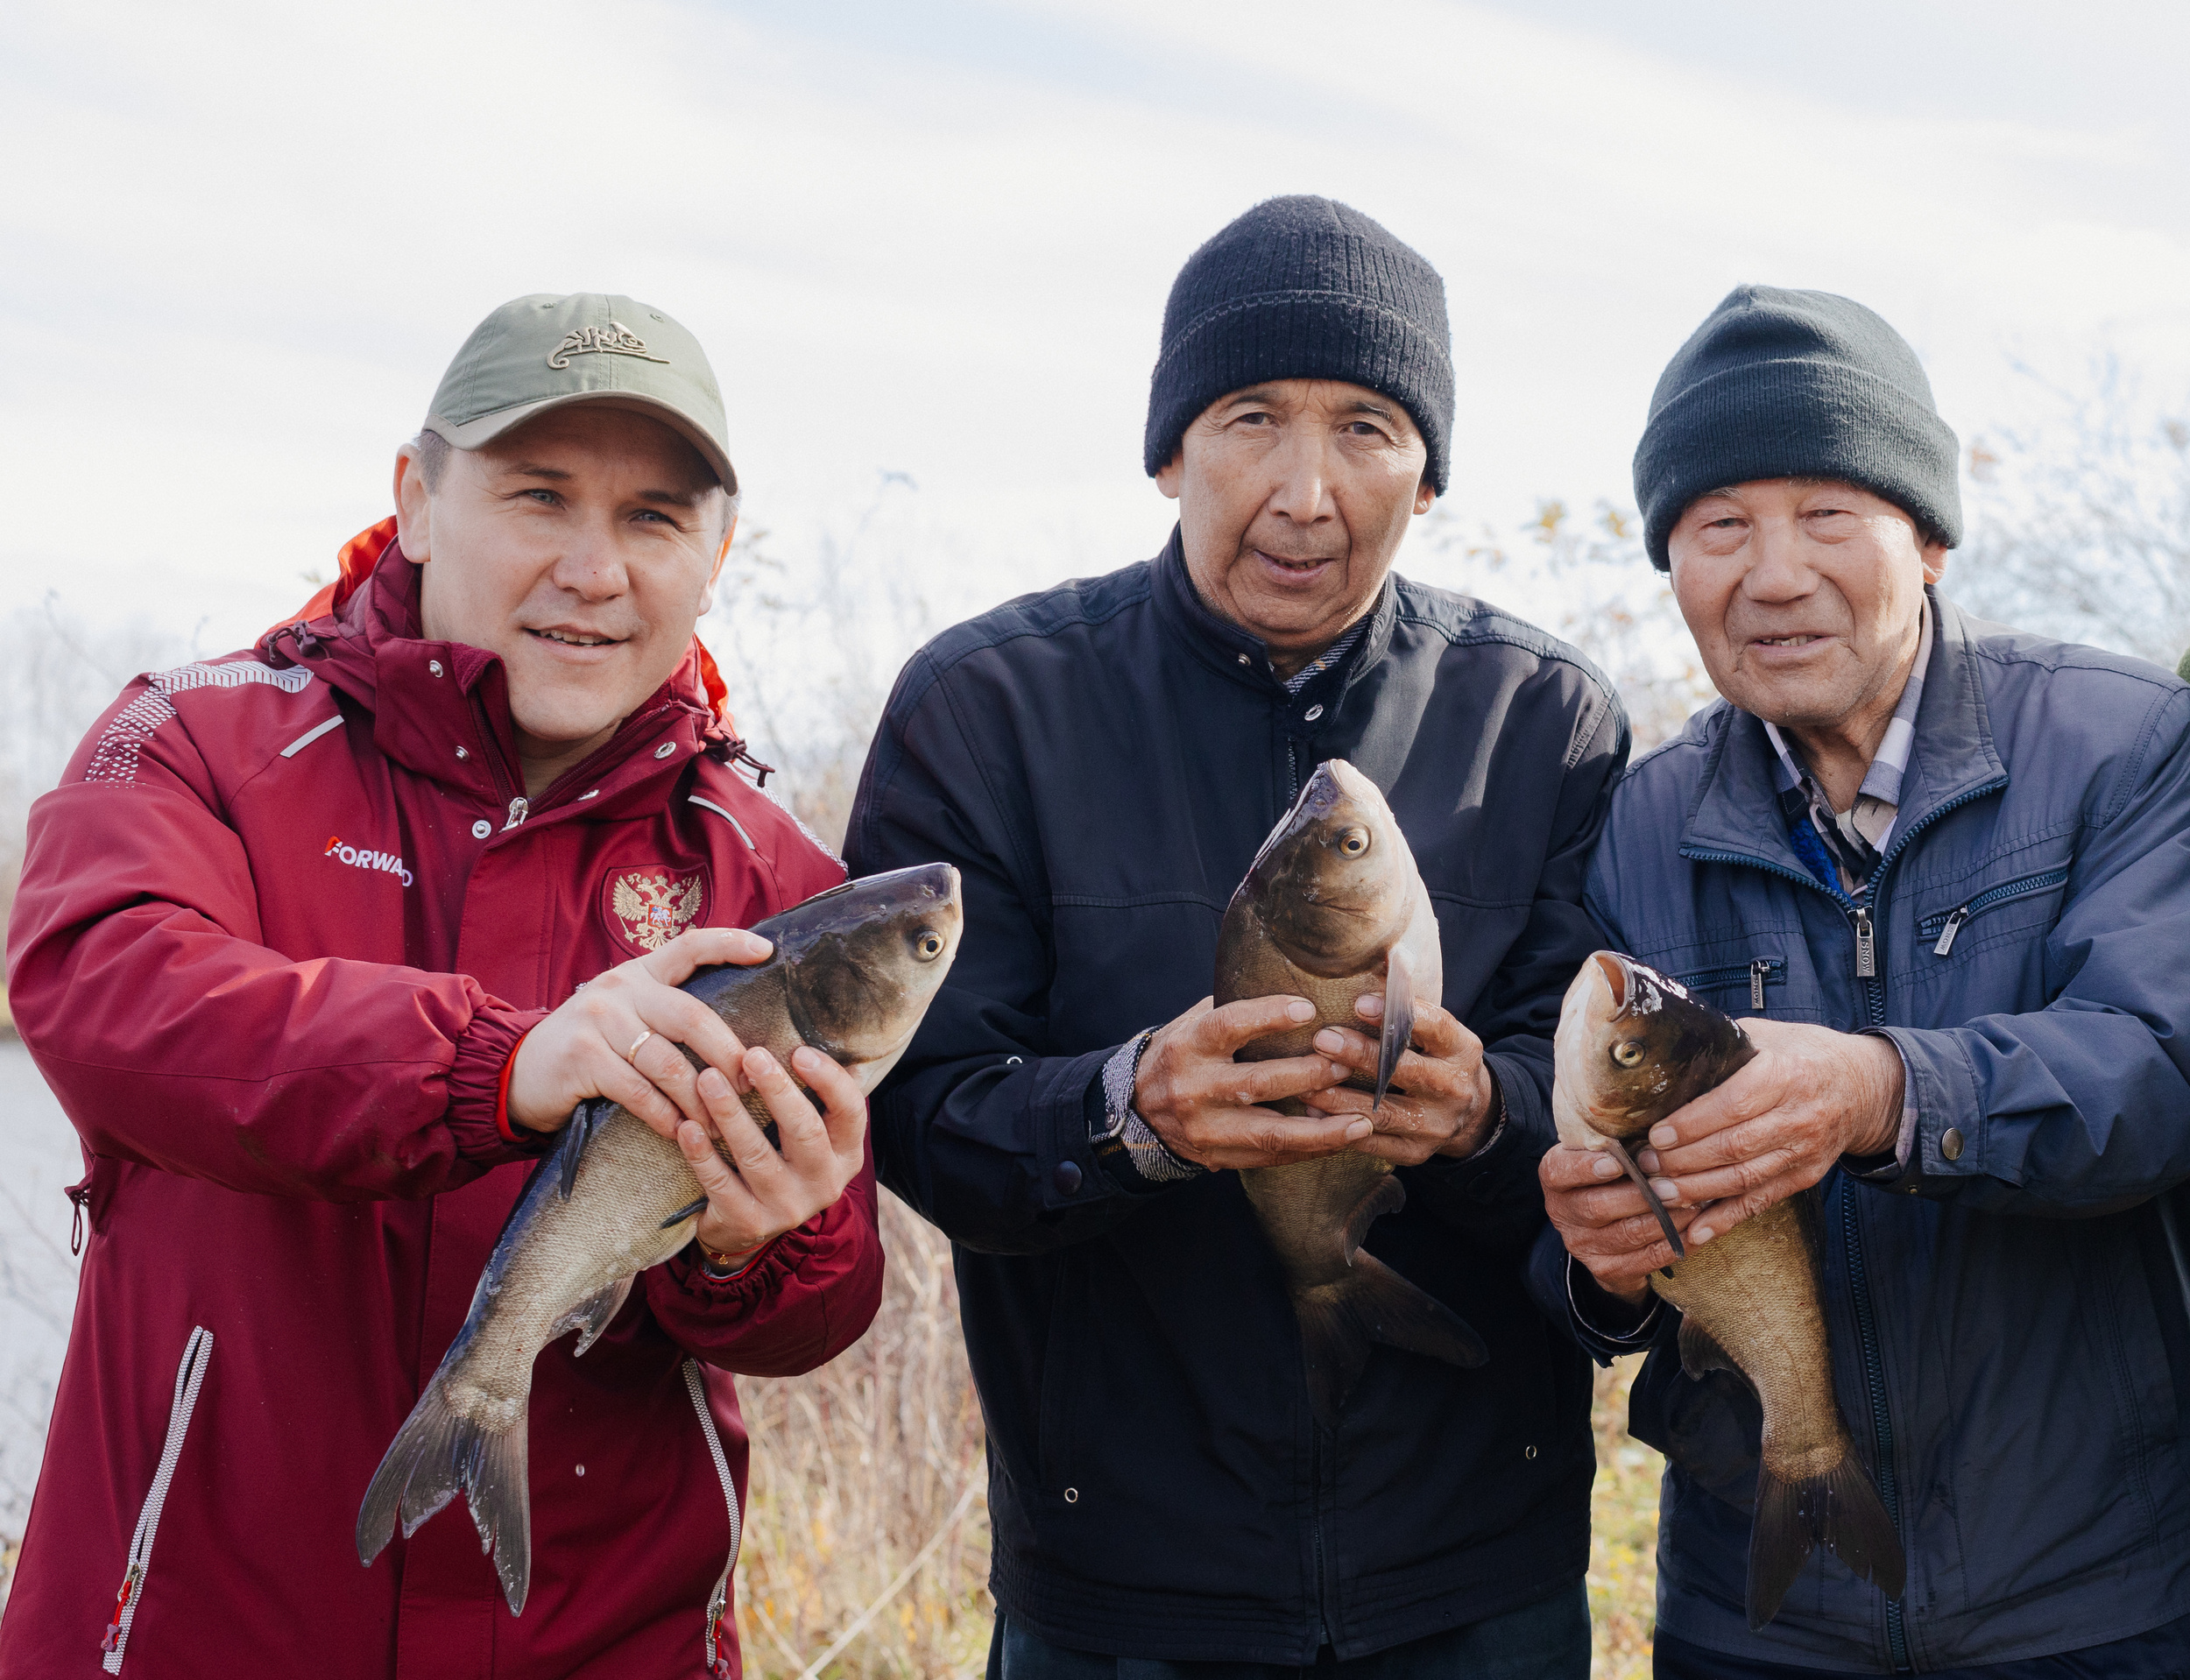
<point>276,937</point>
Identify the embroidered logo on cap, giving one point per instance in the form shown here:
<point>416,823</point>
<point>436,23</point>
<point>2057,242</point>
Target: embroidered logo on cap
<point>650,907</point>
<point>615,339</point>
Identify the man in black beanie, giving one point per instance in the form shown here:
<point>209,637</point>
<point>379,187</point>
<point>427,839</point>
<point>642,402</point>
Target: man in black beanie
<point>1102,761</point>
<point>1938,867</point>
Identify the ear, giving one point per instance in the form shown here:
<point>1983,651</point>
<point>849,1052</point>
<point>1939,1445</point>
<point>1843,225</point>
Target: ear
<point>722,554</point>
<point>1934,556</point>
<point>1172,473</point>
<point>1426,497</point>
<point>413,508</point>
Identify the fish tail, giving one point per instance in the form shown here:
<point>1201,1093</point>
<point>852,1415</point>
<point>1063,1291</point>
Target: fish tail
<point>1840,1511</point>
<point>1340,1322</point>
<point>435,1455</point>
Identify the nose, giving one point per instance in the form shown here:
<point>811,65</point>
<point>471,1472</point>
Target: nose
<point>1780,571</point>
<point>591,566</point>
<point>1302,493</point>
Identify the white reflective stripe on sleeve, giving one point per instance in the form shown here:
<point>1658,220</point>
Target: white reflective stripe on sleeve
<point>197,1353</point>
<point>310,736</point>
<point>727,817</point>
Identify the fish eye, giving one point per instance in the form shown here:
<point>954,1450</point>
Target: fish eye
<point>1354,842</point>
<point>1627,1052</point>
<point>928,944</point>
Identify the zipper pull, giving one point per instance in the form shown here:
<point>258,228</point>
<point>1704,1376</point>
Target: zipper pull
<point>1758,970</point>
<point>1953,926</point>
<point>521,808</point>
<point>79,1199</point>
<point>1866,948</point>
<point>121,1604</point>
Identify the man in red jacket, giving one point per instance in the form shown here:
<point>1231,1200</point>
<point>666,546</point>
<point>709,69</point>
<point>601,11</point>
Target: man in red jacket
<point>299,945</point>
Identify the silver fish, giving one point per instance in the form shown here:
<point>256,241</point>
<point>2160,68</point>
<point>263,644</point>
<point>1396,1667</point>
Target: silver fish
<point>852,973</point>
<point>1333,909</point>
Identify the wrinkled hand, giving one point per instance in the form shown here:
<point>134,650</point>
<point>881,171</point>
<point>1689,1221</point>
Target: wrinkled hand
<point>1604,1222</point>
<point>582,1050</point>
<point>1208,1108</point>
<point>1449,1104</point>
<point>1811,1096</point>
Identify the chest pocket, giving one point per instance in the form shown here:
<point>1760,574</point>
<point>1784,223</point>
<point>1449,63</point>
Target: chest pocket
<point>1739,988</point>
<point>1937,932</point>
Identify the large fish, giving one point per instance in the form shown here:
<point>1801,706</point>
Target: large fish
<point>1632,1047</point>
<point>1333,909</point>
<point>853,972</point>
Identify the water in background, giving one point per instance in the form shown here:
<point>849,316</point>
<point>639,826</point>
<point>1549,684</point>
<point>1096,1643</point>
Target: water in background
<point>38,1276</point>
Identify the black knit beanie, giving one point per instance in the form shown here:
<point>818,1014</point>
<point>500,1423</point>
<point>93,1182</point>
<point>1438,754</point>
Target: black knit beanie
<point>1303,289</point>
<point>1783,385</point>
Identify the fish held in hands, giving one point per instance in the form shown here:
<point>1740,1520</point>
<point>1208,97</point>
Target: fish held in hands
<point>1332,910</point>
<point>852,973</point>
<point>1632,1045</point>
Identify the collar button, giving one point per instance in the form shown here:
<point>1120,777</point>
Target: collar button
<point>434,665</point>
<point>1312,713</point>
<point>1244,660</point>
<point>482,829</point>
<point>664,749</point>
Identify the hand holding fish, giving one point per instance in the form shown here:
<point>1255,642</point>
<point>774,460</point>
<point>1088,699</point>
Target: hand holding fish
<point>1604,1221</point>
<point>1442,1100</point>
<point>1209,1108</point>
<point>617,1035</point>
<point>773,1191</point>
<point>1778,1126</point>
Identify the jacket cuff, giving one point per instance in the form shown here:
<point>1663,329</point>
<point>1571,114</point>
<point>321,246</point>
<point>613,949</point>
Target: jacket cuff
<point>478,1089</point>
<point>772,1262</point>
<point>1067,1174</point>
<point>1941,1141</point>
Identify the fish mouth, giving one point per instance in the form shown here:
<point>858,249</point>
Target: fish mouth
<point>1616,972</point>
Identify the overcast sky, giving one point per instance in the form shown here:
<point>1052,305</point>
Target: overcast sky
<point>241,242</point>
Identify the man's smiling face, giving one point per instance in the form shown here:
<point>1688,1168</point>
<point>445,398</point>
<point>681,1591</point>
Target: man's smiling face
<point>1803,596</point>
<point>581,548</point>
<point>1293,496</point>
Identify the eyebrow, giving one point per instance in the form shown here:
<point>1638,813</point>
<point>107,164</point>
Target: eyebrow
<point>691,497</point>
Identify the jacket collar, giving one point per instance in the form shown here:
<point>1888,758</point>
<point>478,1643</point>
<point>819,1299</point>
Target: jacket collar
<point>1238,654</point>
<point>442,708</point>
<point>1736,811</point>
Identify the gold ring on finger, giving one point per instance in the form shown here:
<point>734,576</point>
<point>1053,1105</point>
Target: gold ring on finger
<point>632,1054</point>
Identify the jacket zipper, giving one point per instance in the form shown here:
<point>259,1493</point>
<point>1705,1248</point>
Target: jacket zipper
<point>716,1659</point>
<point>1765,971</point>
<point>1948,923</point>
<point>197,1353</point>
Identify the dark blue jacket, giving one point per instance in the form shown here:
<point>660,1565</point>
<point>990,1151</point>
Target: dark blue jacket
<point>1102,761</point>
<point>2008,1317</point>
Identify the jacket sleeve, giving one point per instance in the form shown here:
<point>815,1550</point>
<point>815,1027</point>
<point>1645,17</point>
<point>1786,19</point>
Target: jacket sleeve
<point>174,1037</point>
<point>979,1129</point>
<point>804,1299</point>
<point>1493,1197</point>
<point>2078,1109</point>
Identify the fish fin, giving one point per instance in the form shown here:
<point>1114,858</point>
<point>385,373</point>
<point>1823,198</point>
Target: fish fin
<point>591,1317</point>
<point>1387,1195</point>
<point>1399,1023</point>
<point>1700,1353</point>
<point>433,1456</point>
<point>1340,1322</point>
<point>585,1120</point>
<point>1840,1510</point>
<point>682,1214</point>
<point>1618,1153</point>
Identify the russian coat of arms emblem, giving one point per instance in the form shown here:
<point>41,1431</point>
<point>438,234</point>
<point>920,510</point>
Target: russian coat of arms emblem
<point>652,907</point>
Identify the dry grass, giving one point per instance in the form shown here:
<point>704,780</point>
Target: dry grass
<point>860,1466</point>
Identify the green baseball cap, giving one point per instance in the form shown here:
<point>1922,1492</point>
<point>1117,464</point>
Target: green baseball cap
<point>543,352</point>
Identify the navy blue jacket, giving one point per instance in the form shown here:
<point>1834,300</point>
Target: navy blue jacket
<point>1102,761</point>
<point>2008,1317</point>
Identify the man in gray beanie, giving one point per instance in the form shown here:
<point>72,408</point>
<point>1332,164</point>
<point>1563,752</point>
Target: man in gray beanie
<point>1168,1489</point>
<point>1938,867</point>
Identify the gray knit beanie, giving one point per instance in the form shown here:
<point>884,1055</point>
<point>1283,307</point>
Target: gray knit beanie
<point>1303,289</point>
<point>1778,384</point>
